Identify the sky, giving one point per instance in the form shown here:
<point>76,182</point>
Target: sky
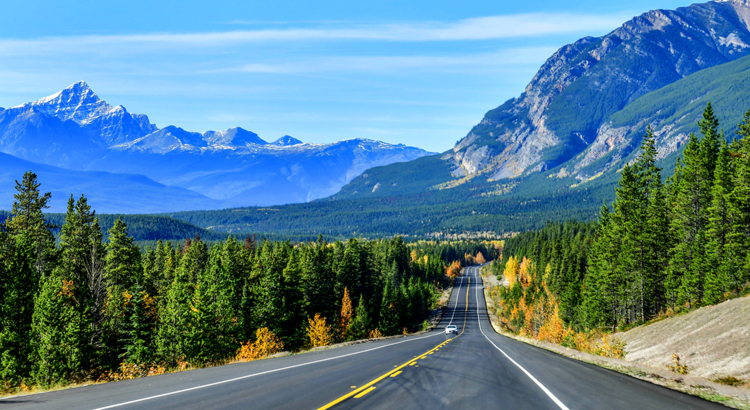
<point>421,73</point>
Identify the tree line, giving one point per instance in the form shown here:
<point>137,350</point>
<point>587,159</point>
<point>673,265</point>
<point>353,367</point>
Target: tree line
<point>662,246</point>
<point>77,307</point>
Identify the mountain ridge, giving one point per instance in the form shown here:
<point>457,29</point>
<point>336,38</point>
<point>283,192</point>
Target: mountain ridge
<point>75,129</point>
<point>562,110</point>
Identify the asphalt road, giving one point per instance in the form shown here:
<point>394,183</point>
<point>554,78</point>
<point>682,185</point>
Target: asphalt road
<point>476,369</point>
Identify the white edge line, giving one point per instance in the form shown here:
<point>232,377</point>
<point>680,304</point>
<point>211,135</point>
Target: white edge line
<point>257,374</point>
<point>455,305</point>
<point>541,386</point>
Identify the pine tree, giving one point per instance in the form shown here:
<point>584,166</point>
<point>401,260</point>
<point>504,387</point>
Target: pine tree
<point>122,270</point>
<point>16,310</point>
<point>389,320</point>
<point>690,218</point>
<point>57,354</point>
<point>358,327</point>
<point>123,261</point>
<point>81,266</point>
<point>293,322</point>
<point>214,327</point>
<point>28,218</point>
<point>136,332</point>
<point>738,208</point>
<point>717,278</point>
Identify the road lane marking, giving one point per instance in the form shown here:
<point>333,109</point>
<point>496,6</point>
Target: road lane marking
<point>359,396</point>
<point>396,374</point>
<point>411,362</point>
<point>457,296</point>
<point>541,386</point>
<point>257,374</point>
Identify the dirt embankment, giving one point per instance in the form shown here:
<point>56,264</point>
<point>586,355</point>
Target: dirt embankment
<point>713,341</point>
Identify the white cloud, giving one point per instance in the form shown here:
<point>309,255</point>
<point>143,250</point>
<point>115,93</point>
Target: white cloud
<point>330,64</point>
<point>480,28</point>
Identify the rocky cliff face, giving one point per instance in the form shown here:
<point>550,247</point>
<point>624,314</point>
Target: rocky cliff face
<point>563,114</point>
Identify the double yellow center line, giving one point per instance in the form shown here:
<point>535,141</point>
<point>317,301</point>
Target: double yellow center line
<point>367,388</point>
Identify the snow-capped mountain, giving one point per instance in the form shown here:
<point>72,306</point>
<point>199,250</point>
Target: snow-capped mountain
<point>77,130</point>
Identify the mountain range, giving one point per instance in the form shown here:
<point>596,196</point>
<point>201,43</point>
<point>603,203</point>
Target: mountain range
<point>583,114</point>
<point>554,152</point>
<point>75,130</point>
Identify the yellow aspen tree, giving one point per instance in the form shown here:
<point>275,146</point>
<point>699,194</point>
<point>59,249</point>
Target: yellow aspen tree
<point>524,271</point>
<point>374,334</point>
<point>346,314</point>
<point>319,332</point>
<point>266,344</point>
<point>480,258</point>
<point>511,271</point>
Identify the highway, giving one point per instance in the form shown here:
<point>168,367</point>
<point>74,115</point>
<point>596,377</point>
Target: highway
<point>476,369</point>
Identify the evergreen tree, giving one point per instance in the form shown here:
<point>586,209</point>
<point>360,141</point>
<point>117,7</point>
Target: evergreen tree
<point>738,209</point>
<point>136,330</point>
<point>293,322</point>
<point>57,354</point>
<point>389,320</point>
<point>719,272</point>
<point>358,327</point>
<point>693,198</point>
<point>28,218</point>
<point>16,310</point>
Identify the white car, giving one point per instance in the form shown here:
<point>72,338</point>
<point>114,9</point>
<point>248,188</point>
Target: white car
<point>451,329</point>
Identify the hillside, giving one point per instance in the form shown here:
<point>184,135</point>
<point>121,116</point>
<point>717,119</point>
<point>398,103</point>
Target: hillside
<point>711,340</point>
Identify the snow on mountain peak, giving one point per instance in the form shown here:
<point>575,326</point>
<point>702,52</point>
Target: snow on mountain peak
<point>77,103</point>
<point>286,141</point>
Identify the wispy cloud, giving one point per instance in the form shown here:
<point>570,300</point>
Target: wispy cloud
<point>480,28</point>
<point>332,64</point>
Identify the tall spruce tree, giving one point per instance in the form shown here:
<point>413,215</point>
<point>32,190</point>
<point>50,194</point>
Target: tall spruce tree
<point>720,270</point>
<point>738,208</point>
<point>19,284</point>
<point>28,218</point>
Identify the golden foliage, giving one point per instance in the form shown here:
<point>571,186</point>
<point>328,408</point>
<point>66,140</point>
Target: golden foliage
<point>541,320</point>
<point>511,271</point>
<point>346,314</point>
<point>454,269</point>
<point>266,344</point>
<point>525,271</point>
<point>374,334</point>
<point>413,255</point>
<point>319,332</point>
<point>129,371</point>
<point>405,331</point>
<point>480,258</point>
<point>678,367</point>
<point>68,290</point>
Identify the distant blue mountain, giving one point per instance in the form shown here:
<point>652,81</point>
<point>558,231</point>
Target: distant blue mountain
<point>286,141</point>
<point>76,130</point>
<point>107,192</point>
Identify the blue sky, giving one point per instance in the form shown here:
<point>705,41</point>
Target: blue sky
<point>420,73</point>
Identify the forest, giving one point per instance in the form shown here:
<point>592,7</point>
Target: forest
<point>662,247</point>
<point>74,307</point>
